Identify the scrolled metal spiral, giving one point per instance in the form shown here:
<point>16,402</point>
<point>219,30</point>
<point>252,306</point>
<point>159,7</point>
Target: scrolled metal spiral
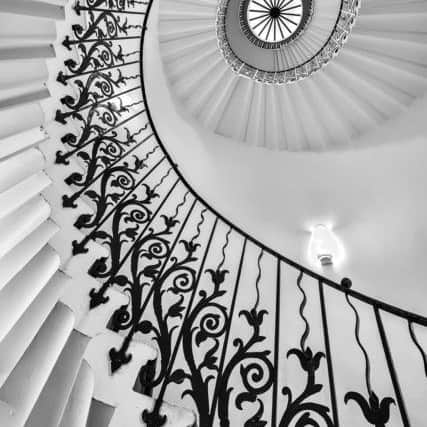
<point>213,320</point>
<point>257,377</point>
<point>183,280</point>
<point>157,248</point>
<point>122,179</point>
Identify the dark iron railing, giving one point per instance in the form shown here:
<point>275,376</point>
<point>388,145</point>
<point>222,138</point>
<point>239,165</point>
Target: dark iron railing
<point>245,336</point>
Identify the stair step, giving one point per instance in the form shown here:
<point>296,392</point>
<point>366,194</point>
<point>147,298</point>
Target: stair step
<point>53,399</point>
<point>109,386</point>
<point>18,142</point>
<point>12,199</point>
<point>129,413</point>
<point>21,291</point>
<point>15,227</point>
<point>17,168</point>
<point>23,386</point>
<point>15,343</point>
<point>92,321</point>
<point>18,257</point>
<point>6,411</point>
<point>77,411</point>
<point>32,8</point>
<point>82,262</point>
<point>100,414</point>
<point>18,119</point>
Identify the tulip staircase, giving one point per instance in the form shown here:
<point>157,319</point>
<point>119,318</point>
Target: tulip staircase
<point>126,299</point>
<point>356,92</point>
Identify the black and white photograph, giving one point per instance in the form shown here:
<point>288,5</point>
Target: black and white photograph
<point>213,213</point>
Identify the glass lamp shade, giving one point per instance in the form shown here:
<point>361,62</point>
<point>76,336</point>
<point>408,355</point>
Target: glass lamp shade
<point>324,244</point>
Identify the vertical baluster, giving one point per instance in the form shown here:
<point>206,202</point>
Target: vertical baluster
<point>227,333</point>
<point>375,410</point>
<point>167,376</point>
<point>391,368</point>
<point>417,345</point>
<point>302,405</point>
<point>328,355</point>
<point>276,347</point>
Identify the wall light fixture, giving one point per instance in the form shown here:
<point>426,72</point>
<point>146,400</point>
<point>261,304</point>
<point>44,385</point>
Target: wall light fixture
<point>324,244</point>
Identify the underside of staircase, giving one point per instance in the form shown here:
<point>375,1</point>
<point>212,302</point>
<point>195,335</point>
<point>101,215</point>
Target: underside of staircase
<point>126,300</point>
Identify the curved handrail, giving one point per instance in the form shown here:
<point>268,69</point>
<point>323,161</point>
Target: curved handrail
<point>376,303</point>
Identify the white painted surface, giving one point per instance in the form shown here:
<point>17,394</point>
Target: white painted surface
<point>377,74</point>
<point>77,409</point>
<point>12,263</point>
<point>19,338</point>
<point>21,291</point>
<point>374,197</point>
<point>51,404</point>
<point>16,168</point>
<point>110,388</point>
<point>25,383</point>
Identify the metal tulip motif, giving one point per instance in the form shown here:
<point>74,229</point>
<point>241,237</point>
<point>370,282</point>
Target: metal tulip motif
<point>376,412</point>
<point>300,408</point>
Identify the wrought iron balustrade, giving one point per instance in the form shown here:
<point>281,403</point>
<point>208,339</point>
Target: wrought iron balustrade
<point>245,336</point>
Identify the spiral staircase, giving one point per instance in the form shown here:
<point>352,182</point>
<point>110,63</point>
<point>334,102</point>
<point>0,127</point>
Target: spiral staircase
<point>350,96</point>
<point>126,299</point>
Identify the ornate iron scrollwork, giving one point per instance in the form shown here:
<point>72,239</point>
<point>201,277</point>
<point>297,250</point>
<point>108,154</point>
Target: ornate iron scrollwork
<point>178,267</point>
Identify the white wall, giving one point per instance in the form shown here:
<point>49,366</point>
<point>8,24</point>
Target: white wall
<point>375,197</point>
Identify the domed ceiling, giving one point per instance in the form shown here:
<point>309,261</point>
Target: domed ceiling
<point>294,74</point>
